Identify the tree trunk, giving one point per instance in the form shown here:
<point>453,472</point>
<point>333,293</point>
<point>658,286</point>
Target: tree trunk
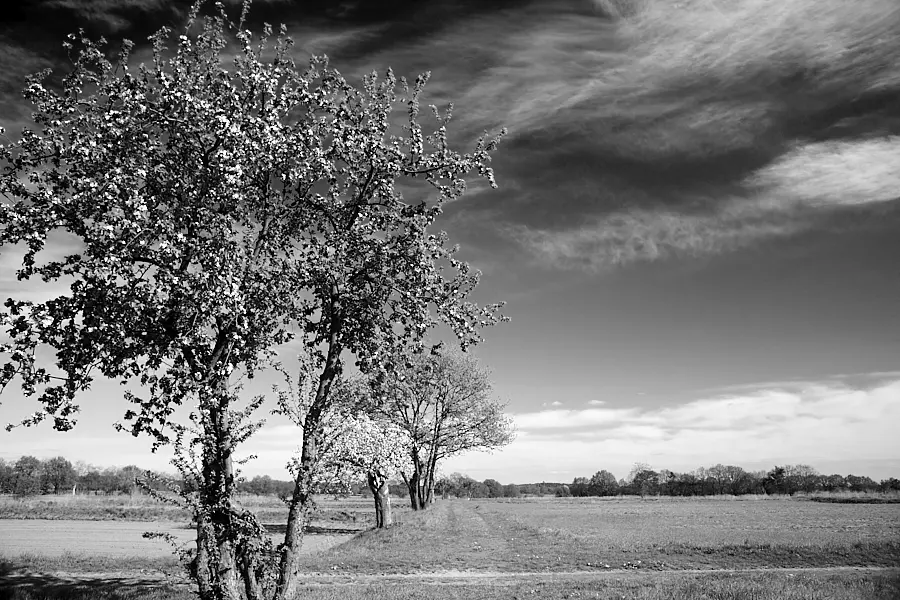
<point>418,485</point>
<point>422,491</point>
<point>298,517</point>
<point>253,589</point>
<point>432,468</point>
<point>216,566</point>
<point>300,504</point>
<point>412,483</point>
<point>200,566</point>
<point>381,493</point>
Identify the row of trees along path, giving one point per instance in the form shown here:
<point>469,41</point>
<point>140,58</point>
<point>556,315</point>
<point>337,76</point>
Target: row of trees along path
<point>219,211</point>
<point>436,406</point>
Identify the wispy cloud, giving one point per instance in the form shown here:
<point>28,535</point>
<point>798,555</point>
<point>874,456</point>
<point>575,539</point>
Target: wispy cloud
<point>797,192</point>
<point>835,173</point>
<point>696,129</point>
<point>643,234</point>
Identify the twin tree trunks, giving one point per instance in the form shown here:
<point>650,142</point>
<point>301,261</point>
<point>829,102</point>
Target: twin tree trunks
<point>420,484</point>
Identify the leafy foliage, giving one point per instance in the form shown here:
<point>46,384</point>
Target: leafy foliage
<point>443,401</point>
<point>358,446</point>
<point>217,214</point>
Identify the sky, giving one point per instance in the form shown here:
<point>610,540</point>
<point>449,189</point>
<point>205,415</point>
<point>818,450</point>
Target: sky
<point>694,232</point>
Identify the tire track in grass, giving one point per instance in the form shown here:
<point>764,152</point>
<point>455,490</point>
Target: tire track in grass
<point>534,546</point>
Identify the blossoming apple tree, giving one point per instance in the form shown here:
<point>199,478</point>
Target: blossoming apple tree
<point>184,220</point>
<point>358,447</point>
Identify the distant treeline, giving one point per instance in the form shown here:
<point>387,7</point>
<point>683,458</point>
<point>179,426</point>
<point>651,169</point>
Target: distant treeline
<point>31,476</point>
<point>725,479</point>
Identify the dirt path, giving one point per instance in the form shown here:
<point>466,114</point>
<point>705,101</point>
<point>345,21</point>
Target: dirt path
<point>109,538</point>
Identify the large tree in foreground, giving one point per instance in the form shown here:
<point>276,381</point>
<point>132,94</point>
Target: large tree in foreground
<point>443,400</point>
<point>213,211</point>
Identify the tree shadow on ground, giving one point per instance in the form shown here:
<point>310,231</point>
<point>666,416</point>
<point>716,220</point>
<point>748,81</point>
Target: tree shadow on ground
<point>21,584</point>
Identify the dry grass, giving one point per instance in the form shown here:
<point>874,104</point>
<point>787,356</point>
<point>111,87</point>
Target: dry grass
<point>566,536</point>
<point>708,522</point>
<point>756,586</point>
<point>891,497</point>
<point>79,562</point>
<point>124,507</point>
<point>632,549</point>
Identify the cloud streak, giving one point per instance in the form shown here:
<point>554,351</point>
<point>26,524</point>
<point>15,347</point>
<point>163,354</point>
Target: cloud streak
<point>688,131</point>
<point>626,237</point>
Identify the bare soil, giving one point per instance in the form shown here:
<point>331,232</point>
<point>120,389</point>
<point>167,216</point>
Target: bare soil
<point>110,538</point>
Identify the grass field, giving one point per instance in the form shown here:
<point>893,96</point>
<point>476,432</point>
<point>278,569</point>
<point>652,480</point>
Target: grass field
<point>575,548</point>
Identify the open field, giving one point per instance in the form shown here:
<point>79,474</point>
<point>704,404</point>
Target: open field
<point>573,535</point>
<point>575,548</point>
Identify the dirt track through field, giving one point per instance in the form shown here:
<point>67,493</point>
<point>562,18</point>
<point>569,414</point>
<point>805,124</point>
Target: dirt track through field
<point>109,538</point>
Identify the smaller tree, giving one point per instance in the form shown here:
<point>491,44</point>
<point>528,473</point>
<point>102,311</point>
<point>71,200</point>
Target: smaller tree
<point>27,473</point>
<point>603,483</point>
<point>58,475</point>
<point>494,488</point>
<point>776,481</point>
<point>359,447</point>
<point>834,483</point>
<point>443,401</point>
<point>803,478</point>
<point>857,483</point>
<point>580,486</point>
<point>891,484</point>
<point>511,490</point>
<point>637,468</point>
<point>642,479</point>
<point>7,477</point>
<point>261,485</point>
<point>646,483</point>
